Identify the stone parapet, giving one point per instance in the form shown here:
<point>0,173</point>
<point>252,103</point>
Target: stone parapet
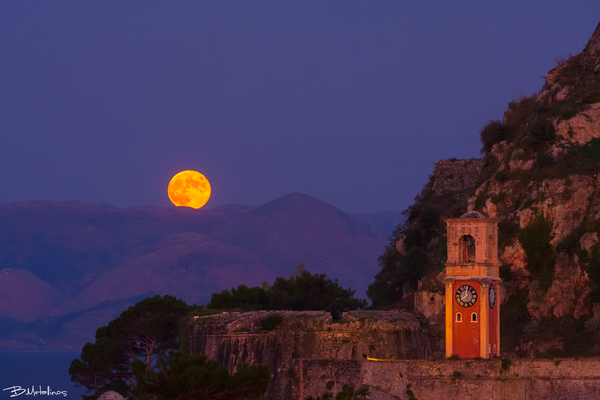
<point>462,379</point>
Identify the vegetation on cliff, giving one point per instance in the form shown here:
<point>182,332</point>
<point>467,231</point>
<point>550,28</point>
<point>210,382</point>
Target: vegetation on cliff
<point>417,246</point>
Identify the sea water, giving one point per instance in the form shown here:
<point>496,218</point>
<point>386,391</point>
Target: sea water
<point>29,375</point>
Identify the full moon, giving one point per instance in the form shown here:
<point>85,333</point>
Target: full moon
<point>189,189</point>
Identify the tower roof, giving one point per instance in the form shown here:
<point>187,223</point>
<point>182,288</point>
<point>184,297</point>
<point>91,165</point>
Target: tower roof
<point>473,214</point>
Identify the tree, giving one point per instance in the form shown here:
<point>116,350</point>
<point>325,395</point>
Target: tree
<point>184,377</point>
<point>137,355</point>
<point>243,297</point>
<point>312,292</point>
<point>146,331</point>
<point>300,292</point>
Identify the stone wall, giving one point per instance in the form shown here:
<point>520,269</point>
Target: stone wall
<point>234,338</point>
<point>456,176</point>
<point>463,379</point>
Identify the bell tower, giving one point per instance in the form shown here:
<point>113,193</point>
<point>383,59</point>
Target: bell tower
<point>472,277</point>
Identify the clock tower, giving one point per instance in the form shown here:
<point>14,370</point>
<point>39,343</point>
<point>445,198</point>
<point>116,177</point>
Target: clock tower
<point>472,277</point>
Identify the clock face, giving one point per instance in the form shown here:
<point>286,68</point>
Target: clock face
<point>492,295</point>
<point>466,296</point>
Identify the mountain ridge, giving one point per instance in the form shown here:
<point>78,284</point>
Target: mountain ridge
<point>61,260</point>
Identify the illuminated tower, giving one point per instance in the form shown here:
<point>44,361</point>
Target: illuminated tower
<point>472,302</point>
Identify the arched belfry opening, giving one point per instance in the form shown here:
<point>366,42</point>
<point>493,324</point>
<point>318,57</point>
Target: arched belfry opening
<point>467,249</point>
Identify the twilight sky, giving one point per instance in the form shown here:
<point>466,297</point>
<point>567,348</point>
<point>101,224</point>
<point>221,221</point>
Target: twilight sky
<point>348,101</point>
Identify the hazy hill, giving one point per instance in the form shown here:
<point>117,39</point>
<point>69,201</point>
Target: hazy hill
<point>67,268</point>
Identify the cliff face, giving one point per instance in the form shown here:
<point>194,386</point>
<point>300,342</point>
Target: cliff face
<point>540,176</point>
<point>541,180</point>
<point>234,338</point>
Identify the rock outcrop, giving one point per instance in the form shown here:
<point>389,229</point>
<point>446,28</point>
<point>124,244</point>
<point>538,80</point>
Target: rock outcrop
<point>540,176</point>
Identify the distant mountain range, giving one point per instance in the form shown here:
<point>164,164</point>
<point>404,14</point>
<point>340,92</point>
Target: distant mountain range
<point>67,268</point>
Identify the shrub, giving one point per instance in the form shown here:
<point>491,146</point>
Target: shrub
<point>541,132</point>
<point>544,160</point>
<point>271,322</point>
<point>535,240</point>
<point>503,176</point>
<point>513,318</point>
<point>493,132</point>
<point>520,110</point>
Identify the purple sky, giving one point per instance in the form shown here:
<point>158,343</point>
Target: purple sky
<point>348,101</point>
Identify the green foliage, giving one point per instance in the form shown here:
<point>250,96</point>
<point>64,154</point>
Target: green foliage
<point>520,111</point>
<point>453,357</point>
<point>508,230</point>
<point>493,132</point>
<point>456,374</point>
<point>271,322</point>
<point>589,153</point>
<point>577,340</point>
<point>503,176</point>
<point>245,298</point>
<point>513,318</point>
<point>291,374</point>
<point>304,291</point>
<point>180,376</point>
<point>410,393</point>
<point>145,332</point>
<point>544,160</point>
<point>535,240</point>
<point>423,243</point>
<point>506,364</point>
<point>541,132</point>
<point>505,273</point>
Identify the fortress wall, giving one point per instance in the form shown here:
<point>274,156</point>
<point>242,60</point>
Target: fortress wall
<point>449,380</point>
<point>234,338</point>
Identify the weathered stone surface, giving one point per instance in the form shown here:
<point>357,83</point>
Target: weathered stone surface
<point>110,395</point>
<point>463,379</point>
<point>234,338</point>
<point>565,295</point>
<point>591,53</point>
<point>456,176</point>
<point>583,127</point>
<point>514,256</point>
<point>588,240</point>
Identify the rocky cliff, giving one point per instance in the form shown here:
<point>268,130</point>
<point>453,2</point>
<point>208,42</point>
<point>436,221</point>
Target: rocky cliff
<point>539,176</point>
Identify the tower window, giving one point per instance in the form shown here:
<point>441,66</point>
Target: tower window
<point>474,317</point>
<point>467,249</point>
<point>432,298</point>
<point>458,317</point>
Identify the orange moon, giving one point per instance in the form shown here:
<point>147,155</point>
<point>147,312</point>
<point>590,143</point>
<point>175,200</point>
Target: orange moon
<point>189,189</point>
